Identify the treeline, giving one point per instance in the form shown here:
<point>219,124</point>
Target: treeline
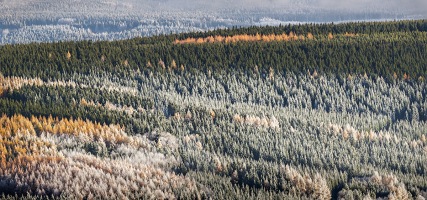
<point>384,49</point>
<point>319,29</point>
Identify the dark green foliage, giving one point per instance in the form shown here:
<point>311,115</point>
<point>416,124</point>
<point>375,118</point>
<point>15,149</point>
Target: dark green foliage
<point>308,85</point>
<point>386,48</point>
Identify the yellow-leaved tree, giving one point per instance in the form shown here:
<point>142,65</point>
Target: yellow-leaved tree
<point>68,55</point>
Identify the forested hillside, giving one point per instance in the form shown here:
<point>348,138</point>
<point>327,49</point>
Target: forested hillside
<point>27,21</point>
<point>315,111</point>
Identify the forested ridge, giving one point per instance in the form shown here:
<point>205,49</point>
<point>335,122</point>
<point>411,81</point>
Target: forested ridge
<point>313,111</point>
<point>380,48</point>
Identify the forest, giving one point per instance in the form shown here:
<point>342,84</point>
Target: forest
<point>311,111</point>
<point>100,20</point>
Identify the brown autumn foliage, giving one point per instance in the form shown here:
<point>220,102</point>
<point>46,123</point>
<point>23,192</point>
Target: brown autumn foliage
<point>406,77</point>
<point>315,186</point>
<point>18,138</point>
<point>347,34</point>
<point>14,129</point>
<point>13,83</point>
<point>68,55</point>
<point>39,155</point>
<point>245,38</point>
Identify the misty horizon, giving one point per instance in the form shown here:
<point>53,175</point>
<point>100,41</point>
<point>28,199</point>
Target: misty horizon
<point>135,7</point>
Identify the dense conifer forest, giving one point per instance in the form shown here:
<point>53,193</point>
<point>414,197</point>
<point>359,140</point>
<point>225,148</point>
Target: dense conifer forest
<point>313,111</point>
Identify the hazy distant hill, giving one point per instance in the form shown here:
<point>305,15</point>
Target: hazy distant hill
<point>47,20</point>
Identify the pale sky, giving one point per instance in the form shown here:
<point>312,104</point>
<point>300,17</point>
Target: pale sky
<point>409,7</point>
<point>406,6</point>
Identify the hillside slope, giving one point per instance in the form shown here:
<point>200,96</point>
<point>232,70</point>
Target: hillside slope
<point>290,112</point>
